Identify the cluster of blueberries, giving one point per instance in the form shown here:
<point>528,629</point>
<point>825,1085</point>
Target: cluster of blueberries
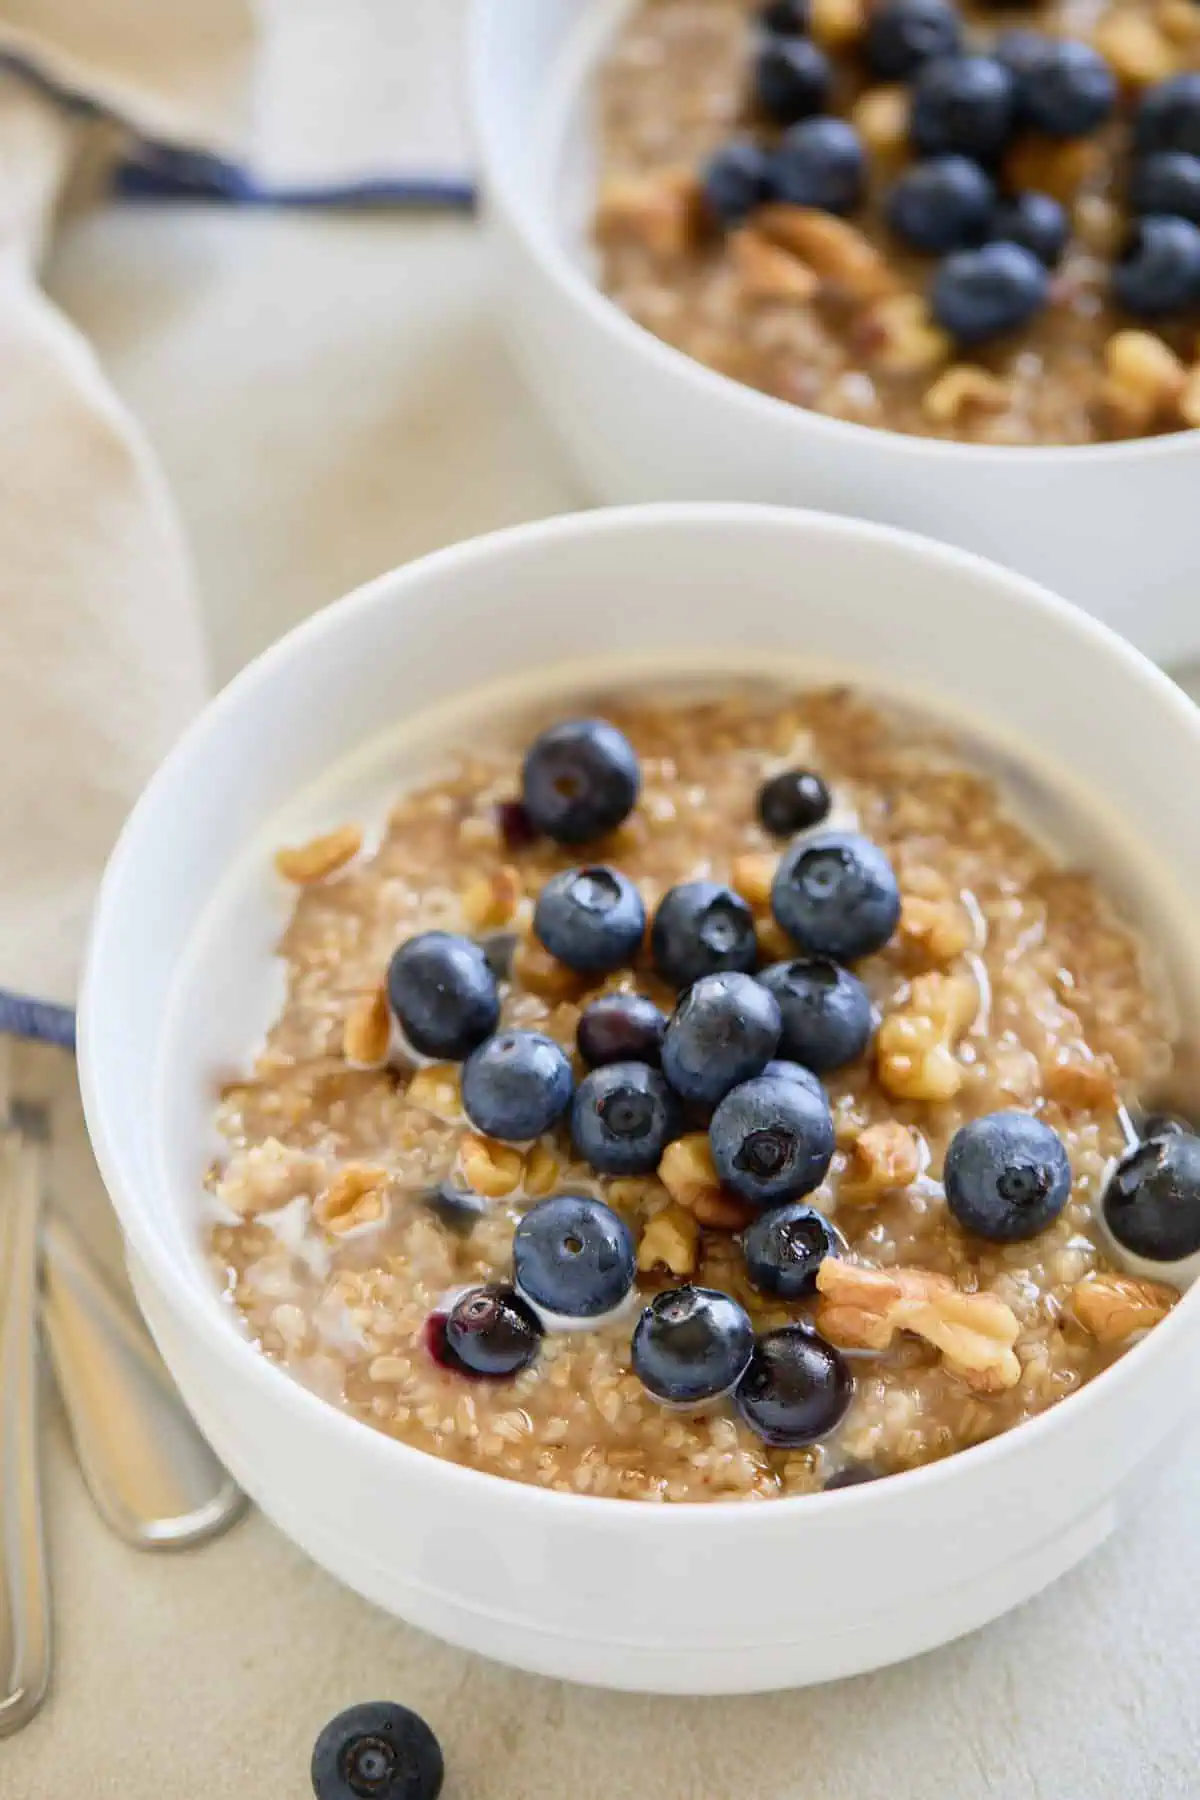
<point>966,109</point>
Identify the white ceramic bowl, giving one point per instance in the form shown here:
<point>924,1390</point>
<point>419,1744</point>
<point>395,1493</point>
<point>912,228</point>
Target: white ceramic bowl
<point>1111,526</point>
<point>714,1598</point>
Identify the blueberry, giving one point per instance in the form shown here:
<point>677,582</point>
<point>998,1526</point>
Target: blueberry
<point>623,1118</point>
<point>981,294</point>
<point>786,1246</point>
<point>620,1028</point>
<point>735,179</point>
<point>1168,117</point>
<point>942,204</point>
<point>1152,1203</point>
<point>792,80</point>
<point>1035,221</point>
<point>492,1331</point>
<point>787,17</point>
<point>854,1474</point>
<point>725,1029</point>
<point>1006,1177</point>
<point>591,919</point>
<point>794,1071</point>
<point>1161,1124</point>
<point>771,1140</point>
<point>827,1020</point>
<point>443,993</point>
<point>836,895</point>
<point>459,1209</point>
<point>797,1388</point>
<point>516,1085</point>
<point>573,1257</point>
<point>377,1751</point>
<point>965,104</point>
<point>1167,182</point>
<point>903,34</point>
<point>691,1344</point>
<point>1159,268</point>
<point>1021,51</point>
<point>701,928</point>
<point>1068,91</point>
<point>792,801</point>
<point>580,780</point>
<point>821,163</point>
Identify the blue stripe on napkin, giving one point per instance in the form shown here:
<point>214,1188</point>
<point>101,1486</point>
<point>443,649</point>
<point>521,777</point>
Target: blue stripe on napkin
<point>40,1020</point>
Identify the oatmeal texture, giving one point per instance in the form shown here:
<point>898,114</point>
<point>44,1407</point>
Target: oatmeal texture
<point>1010,983</point>
<point>830,313</point>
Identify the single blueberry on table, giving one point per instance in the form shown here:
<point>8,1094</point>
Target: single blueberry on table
<point>792,79</point>
<point>965,105</point>
<point>591,919</point>
<point>981,294</point>
<point>516,1085</point>
<point>1158,270</point>
<point>836,895</point>
<point>944,203</point>
<point>580,780</point>
<point>1038,222</point>
<point>377,1751</point>
<point>797,1388</point>
<point>702,928</point>
<point>903,34</point>
<point>771,1140</point>
<point>1167,182</point>
<point>492,1331</point>
<point>691,1344</point>
<point>826,1011</point>
<point>725,1029</point>
<point>821,163</point>
<point>620,1028</point>
<point>459,1209</point>
<point>623,1117</point>
<point>785,1247</point>
<point>1006,1176</point>
<point>1069,91</point>
<point>794,800</point>
<point>573,1258</point>
<point>1152,1203</point>
<point>1168,116</point>
<point>736,179</point>
<point>443,994</point>
<point>787,17</point>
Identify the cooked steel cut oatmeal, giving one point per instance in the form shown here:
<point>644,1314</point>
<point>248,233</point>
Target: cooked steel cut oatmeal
<point>727,244</point>
<point>356,1201</point>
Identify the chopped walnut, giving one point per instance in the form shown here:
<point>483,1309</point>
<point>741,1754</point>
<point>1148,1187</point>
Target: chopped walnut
<point>1178,20</point>
<point>368,1031</point>
<point>1054,166</point>
<point>864,1308</point>
<point>544,975</point>
<point>964,388</point>
<point>1144,378</point>
<point>321,856</point>
<point>1113,1307</point>
<point>1189,399</point>
<point>492,899</point>
<point>1137,50</point>
<point>880,116</point>
<point>933,931</point>
<point>898,336</point>
<point>671,1241</point>
<point>662,211</point>
<point>541,1171</point>
<point>488,1167</point>
<point>1098,222</point>
<point>751,877</point>
<point>689,1175</point>
<point>774,944</point>
<point>1073,1077</point>
<point>886,1157</point>
<point>836,24</point>
<point>354,1200</point>
<point>914,1046</point>
<point>767,271</point>
<point>438,1088</point>
<point>841,254</point>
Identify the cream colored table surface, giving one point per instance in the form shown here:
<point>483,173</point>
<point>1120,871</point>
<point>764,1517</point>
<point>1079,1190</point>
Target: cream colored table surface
<point>329,397</point>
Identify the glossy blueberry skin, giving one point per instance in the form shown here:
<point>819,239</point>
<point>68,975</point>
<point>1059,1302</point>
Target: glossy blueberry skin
<point>794,800</point>
<point>835,895</point>
<point>592,919</point>
<point>796,1389</point>
<point>1152,1203</point>
<point>821,163</point>
<point>492,1331</point>
<point>944,203</point>
<point>620,1028</point>
<point>782,1070</point>
<point>785,1247</point>
<point>516,1085</point>
<point>573,1257</point>
<point>459,1209</point>
<point>1159,269</point>
<point>771,1140</point>
<point>724,1030</point>
<point>702,928</point>
<point>1168,182</point>
<point>1021,51</point>
<point>443,993</point>
<point>736,179</point>
<point>965,105</point>
<point>623,1117</point>
<point>691,1344</point>
<point>792,79</point>
<point>1006,1177</point>
<point>827,1018</point>
<point>1168,117</point>
<point>1069,92</point>
<point>1162,1124</point>
<point>903,34</point>
<point>1035,221</point>
<point>982,294</point>
<point>580,779</point>
<point>380,1751</point>
<point>789,18</point>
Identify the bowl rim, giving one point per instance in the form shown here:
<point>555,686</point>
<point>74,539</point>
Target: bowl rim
<point>199,1313</point>
<point>589,299</point>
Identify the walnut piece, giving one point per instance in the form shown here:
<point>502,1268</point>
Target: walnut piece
<point>368,1031</point>
<point>840,253</point>
<point>661,211</point>
<point>321,856</point>
<point>898,336</point>
<point>933,931</point>
<point>1139,53</point>
<point>880,116</point>
<point>671,1241</point>
<point>1189,399</point>
<point>355,1199</point>
<point>1113,1307</point>
<point>751,877</point>
<point>541,1171</point>
<point>490,1168</point>
<point>1073,1077</point>
<point>492,899</point>
<point>886,1157</point>
<point>544,975</point>
<point>836,24</point>
<point>963,389</point>
<point>438,1088</point>
<point>688,1173</point>
<point>1143,378</point>
<point>1178,20</point>
<point>864,1308</point>
<point>766,271</point>
<point>1054,166</point>
<point>914,1046</point>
